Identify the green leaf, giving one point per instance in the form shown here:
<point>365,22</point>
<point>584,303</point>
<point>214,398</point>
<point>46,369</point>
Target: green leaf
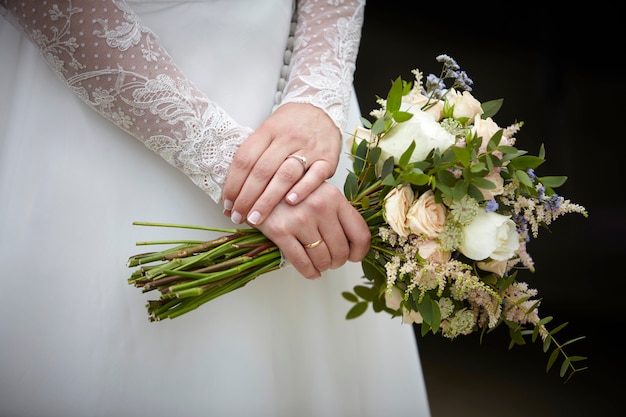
<point>523,177</point>
<point>436,316</point>
<point>364,292</point>
<point>350,297</point>
<point>388,167</point>
<point>378,127</point>
<point>553,357</point>
<point>416,178</point>
<point>459,190</point>
<point>462,155</point>
<point>351,186</point>
<point>481,182</point>
<point>564,366</point>
<point>406,155</point>
<point>357,310</point>
<point>446,177</point>
<point>553,181</point>
<point>402,116</point>
<point>526,161</point>
<point>491,108</point>
<point>394,97</point>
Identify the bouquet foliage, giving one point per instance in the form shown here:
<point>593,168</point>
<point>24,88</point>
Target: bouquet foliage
<point>451,204</point>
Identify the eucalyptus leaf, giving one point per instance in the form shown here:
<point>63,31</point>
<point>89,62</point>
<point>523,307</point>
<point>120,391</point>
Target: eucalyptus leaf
<point>491,108</point>
<point>553,181</point>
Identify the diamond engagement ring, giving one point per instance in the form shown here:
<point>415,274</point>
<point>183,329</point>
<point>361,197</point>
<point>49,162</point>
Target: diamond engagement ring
<point>300,159</point>
<point>314,244</point>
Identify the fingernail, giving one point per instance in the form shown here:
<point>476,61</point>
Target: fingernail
<point>228,205</point>
<point>254,217</point>
<point>235,217</point>
<point>293,197</point>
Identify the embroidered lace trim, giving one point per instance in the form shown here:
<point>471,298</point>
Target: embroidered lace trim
<point>142,91</point>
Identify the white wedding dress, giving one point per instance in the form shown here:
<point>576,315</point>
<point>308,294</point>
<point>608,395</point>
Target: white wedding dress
<point>75,339</point>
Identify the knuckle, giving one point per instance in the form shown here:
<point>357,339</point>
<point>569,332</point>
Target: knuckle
<point>262,170</point>
<point>287,175</point>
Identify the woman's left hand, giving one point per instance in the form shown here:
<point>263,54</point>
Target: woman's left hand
<point>323,232</point>
<point>294,151</point>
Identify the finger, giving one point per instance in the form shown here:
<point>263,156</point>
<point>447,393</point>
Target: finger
<point>318,172</point>
<point>254,185</point>
<point>356,231</point>
<point>336,242</point>
<point>290,172</point>
<point>243,161</point>
<point>295,253</point>
<point>318,253</point>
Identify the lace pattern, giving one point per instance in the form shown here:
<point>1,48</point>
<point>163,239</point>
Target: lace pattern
<point>101,49</point>
<point>326,43</point>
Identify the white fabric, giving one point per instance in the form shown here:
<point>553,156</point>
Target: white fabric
<point>75,339</point>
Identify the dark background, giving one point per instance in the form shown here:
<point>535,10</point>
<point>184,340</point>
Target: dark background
<point>559,71</point>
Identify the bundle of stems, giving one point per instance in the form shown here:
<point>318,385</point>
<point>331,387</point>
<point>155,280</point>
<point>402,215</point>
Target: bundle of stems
<point>189,273</point>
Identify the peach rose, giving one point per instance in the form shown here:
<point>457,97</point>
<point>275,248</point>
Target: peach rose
<point>429,250</point>
<point>426,216</point>
<point>485,128</point>
<point>497,267</point>
<point>418,100</point>
<point>394,300</point>
<point>396,206</point>
<point>499,183</point>
<point>465,105</point>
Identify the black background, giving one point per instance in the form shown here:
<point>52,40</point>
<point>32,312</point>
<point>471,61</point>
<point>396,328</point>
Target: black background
<point>560,72</point>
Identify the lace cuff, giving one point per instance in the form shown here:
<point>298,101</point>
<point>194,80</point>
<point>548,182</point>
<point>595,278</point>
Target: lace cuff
<point>117,66</point>
<point>325,47</point>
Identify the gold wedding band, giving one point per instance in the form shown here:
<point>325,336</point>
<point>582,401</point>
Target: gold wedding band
<point>314,244</point>
<point>300,159</point>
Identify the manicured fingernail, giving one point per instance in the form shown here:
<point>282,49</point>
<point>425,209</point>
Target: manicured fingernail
<point>254,217</point>
<point>293,197</point>
<point>228,205</point>
<point>235,217</point>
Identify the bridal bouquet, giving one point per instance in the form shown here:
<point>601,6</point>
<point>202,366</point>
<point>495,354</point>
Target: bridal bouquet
<point>451,203</point>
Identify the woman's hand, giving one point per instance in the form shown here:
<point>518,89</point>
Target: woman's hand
<point>294,151</point>
<point>323,232</point>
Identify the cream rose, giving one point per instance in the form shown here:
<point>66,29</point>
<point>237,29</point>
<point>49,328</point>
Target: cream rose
<point>396,206</point>
<point>429,249</point>
<point>426,216</point>
<point>485,128</point>
<point>497,267</point>
<point>465,105</point>
<point>499,183</point>
<point>393,302</point>
<point>490,235</point>
<point>418,100</point>
<point>423,129</point>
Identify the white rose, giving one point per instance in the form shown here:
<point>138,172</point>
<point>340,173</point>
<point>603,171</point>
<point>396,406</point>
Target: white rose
<point>426,216</point>
<point>395,207</point>
<point>421,128</point>
<point>465,105</point>
<point>490,235</point>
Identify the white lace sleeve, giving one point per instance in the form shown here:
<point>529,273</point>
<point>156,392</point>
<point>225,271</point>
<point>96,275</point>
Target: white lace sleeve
<point>325,47</point>
<point>116,65</point>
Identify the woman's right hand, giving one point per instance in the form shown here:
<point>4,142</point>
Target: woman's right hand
<point>325,216</point>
